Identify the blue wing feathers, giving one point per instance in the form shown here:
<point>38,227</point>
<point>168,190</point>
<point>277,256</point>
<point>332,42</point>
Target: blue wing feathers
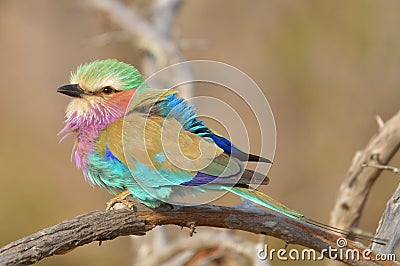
<point>181,110</point>
<point>108,155</point>
<point>178,108</point>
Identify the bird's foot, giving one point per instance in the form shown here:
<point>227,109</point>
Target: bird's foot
<point>120,198</point>
<point>192,228</point>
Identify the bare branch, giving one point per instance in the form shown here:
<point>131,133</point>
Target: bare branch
<point>359,180</point>
<point>106,225</point>
<point>203,241</point>
<point>383,167</point>
<point>163,15</point>
<point>389,225</point>
<point>153,37</point>
<point>379,121</point>
<point>132,22</point>
<point>164,12</point>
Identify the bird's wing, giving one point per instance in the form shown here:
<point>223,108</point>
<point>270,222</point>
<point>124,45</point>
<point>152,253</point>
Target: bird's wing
<point>166,103</point>
<point>159,152</point>
<point>229,148</point>
<point>162,146</point>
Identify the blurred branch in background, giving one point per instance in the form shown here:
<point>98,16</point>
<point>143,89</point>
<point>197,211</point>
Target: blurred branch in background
<point>106,225</point>
<point>154,36</point>
<point>208,245</point>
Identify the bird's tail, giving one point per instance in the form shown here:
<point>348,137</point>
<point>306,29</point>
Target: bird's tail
<point>268,202</point>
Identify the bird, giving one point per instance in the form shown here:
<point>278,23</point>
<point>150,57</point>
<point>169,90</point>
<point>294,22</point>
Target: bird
<point>148,143</point>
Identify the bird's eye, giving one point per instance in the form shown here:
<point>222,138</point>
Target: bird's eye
<point>108,90</point>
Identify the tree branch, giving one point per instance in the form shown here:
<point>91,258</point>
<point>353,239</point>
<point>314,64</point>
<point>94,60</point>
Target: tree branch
<point>129,20</point>
<point>208,240</point>
<point>356,186</point>
<point>389,225</point>
<point>106,225</point>
<point>153,37</point>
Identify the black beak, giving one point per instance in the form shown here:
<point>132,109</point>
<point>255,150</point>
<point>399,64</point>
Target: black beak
<point>72,90</point>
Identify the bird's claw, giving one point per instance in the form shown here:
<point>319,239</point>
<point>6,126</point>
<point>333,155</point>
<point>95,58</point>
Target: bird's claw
<point>120,198</point>
<point>192,228</point>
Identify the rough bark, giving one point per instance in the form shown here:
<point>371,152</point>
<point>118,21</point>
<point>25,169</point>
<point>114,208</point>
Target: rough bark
<point>106,225</point>
<point>359,180</point>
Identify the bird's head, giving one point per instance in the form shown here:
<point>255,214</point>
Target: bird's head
<point>101,92</point>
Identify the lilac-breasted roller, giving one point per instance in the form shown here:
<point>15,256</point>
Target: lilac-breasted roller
<point>133,139</point>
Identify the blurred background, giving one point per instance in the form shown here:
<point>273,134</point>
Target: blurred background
<point>326,67</point>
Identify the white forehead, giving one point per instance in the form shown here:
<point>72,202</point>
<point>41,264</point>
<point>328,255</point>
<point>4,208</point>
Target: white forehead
<point>94,84</point>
